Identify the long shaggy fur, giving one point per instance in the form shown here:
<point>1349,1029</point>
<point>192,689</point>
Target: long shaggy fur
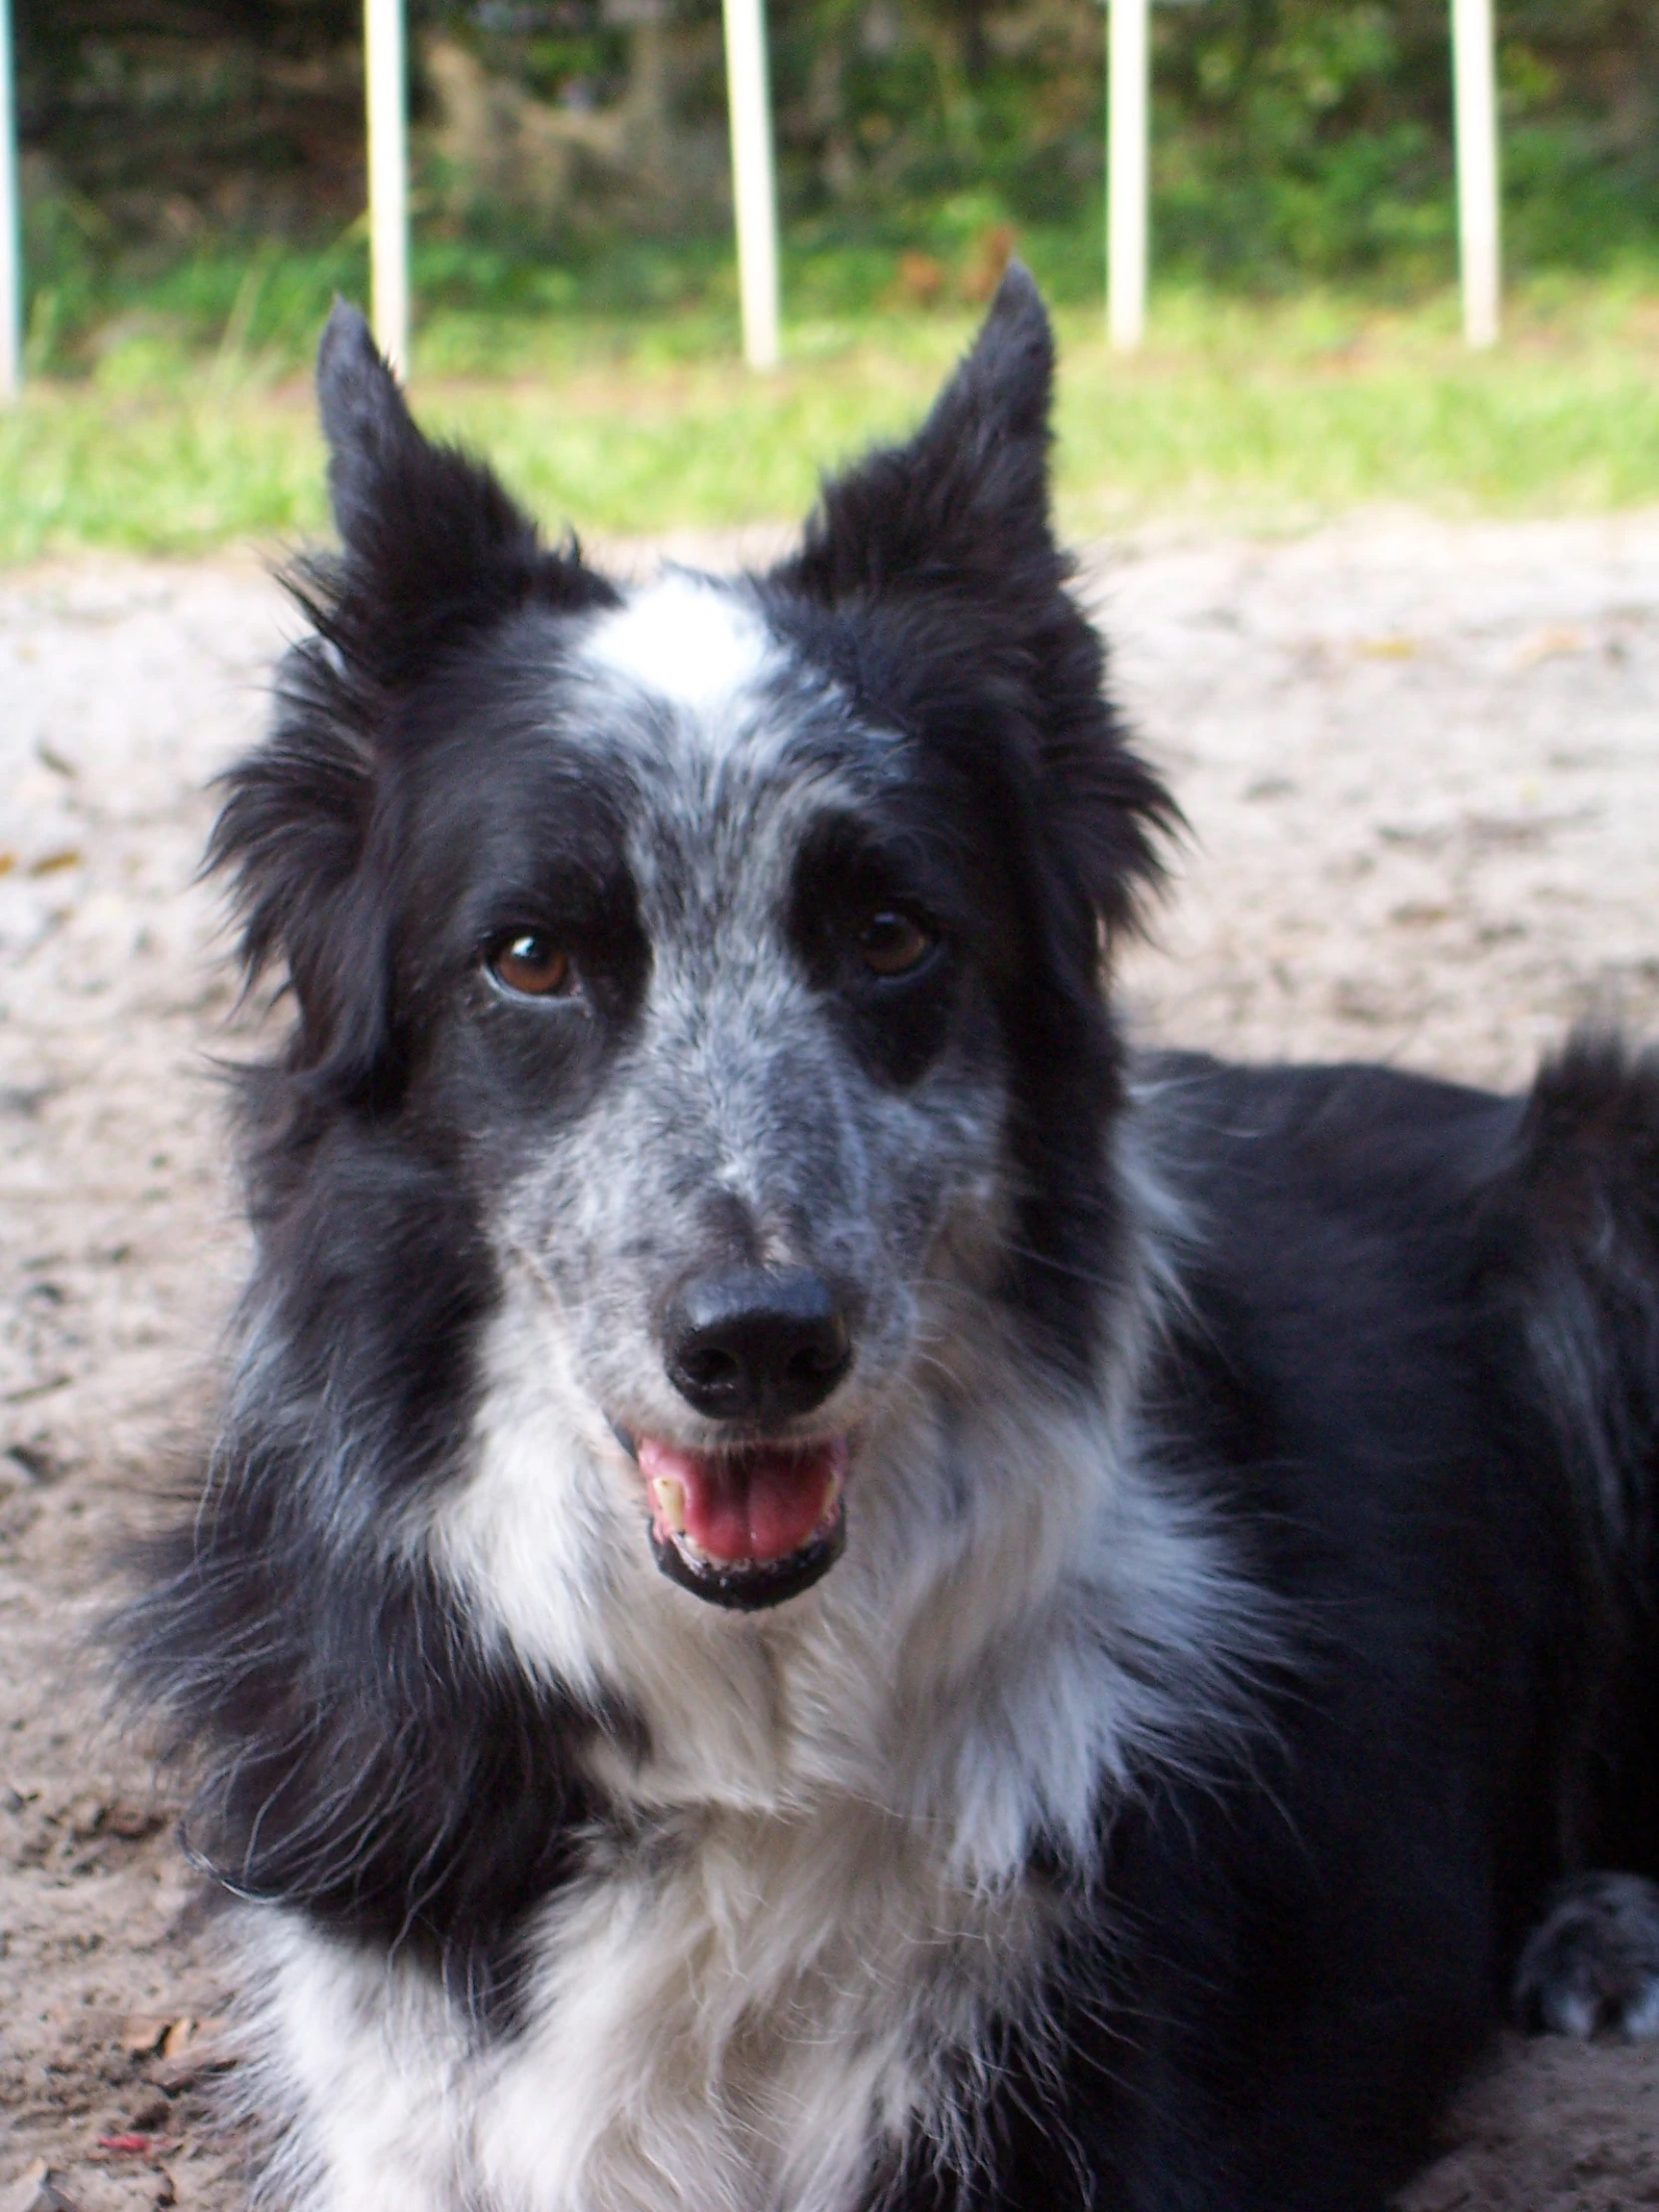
<point>1232,1649</point>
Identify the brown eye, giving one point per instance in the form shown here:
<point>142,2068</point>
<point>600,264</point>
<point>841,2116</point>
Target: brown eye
<point>532,966</point>
<point>891,943</point>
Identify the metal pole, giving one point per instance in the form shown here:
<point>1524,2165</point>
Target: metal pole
<point>1475,80</point>
<point>386,74</point>
<point>750,107</point>
<point>1128,69</point>
<point>11,226</point>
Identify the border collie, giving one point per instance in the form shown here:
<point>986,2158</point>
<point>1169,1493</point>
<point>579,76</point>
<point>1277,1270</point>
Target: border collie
<point>820,1589</point>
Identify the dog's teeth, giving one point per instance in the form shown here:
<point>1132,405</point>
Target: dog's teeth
<point>671,1502</point>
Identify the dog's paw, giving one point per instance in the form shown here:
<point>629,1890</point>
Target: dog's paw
<point>1591,1965</point>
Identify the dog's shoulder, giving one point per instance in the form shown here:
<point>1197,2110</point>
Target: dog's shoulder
<point>1334,1218</point>
<point>1418,1350</point>
<point>1419,1321</point>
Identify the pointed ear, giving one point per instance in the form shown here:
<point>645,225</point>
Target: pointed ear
<point>935,587</point>
<point>365,420</point>
<point>434,546</point>
<point>968,495</point>
<point>433,552</point>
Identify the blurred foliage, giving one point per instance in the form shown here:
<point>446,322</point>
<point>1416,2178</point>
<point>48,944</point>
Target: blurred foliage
<point>194,168</point>
<point>1313,136</point>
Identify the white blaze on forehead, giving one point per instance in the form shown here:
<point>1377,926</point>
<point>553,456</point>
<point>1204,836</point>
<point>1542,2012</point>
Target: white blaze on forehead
<point>686,639</point>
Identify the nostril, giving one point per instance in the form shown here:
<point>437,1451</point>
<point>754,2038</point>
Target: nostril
<point>825,1357</point>
<point>711,1368</point>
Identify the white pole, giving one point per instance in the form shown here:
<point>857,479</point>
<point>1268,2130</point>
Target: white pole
<point>11,226</point>
<point>749,103</point>
<point>1126,173</point>
<point>1477,190</point>
<point>384,69</point>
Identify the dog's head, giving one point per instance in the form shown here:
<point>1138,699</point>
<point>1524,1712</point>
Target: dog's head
<point>708,972</point>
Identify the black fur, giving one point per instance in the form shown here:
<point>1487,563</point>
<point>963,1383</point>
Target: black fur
<point>354,1724</point>
<point>930,583</point>
<point>1413,1366</point>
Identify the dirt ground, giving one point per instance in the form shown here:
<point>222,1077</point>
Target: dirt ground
<point>1421,768</point>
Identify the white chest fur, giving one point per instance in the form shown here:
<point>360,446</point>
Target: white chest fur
<point>745,2016</point>
<point>814,1909</point>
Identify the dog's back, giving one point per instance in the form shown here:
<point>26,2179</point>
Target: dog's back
<point>1418,1357</point>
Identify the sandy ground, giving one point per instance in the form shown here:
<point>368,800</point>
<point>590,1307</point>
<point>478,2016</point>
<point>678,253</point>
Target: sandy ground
<point>1421,768</point>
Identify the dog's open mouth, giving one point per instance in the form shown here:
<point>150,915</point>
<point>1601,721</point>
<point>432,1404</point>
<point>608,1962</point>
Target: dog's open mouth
<point>746,1527</point>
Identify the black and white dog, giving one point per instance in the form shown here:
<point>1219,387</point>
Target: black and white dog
<point>819,1591</point>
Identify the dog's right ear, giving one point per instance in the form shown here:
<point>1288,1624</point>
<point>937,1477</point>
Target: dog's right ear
<point>369,431</point>
<point>433,548</point>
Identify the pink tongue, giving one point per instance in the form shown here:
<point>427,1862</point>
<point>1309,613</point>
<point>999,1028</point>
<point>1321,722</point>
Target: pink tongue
<point>759,1504</point>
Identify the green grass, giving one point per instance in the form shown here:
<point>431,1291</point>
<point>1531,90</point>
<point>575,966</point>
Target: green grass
<point>1259,415</point>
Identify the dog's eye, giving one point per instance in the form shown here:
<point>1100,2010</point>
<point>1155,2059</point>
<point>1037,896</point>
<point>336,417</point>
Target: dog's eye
<point>534,966</point>
<point>893,943</point>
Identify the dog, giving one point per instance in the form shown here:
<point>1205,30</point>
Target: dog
<point>822,1589</point>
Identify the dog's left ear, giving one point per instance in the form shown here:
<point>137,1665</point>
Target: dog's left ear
<point>943,549</point>
<point>965,501</point>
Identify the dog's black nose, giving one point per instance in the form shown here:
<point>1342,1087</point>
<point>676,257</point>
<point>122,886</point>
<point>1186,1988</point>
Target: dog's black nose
<point>752,1345</point>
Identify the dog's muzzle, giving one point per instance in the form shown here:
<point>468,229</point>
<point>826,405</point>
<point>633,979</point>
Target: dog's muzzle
<point>759,1520</point>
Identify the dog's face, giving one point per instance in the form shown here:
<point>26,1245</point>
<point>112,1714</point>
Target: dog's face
<point>708,973</point>
<point>729,950</point>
